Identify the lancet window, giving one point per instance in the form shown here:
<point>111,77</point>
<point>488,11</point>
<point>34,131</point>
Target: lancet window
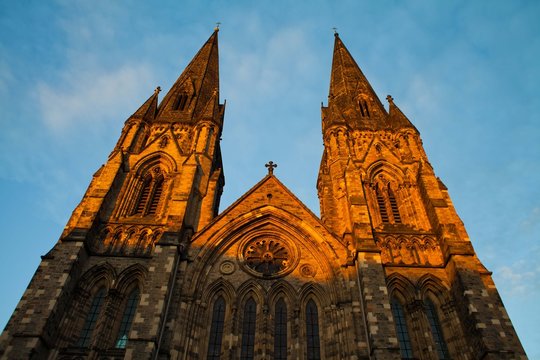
<point>181,102</point>
<point>280,330</point>
<point>216,329</point>
<point>91,318</point>
<point>312,331</point>
<point>401,329</point>
<point>127,319</point>
<point>248,330</point>
<point>149,195</point>
<point>436,330</point>
<point>364,110</point>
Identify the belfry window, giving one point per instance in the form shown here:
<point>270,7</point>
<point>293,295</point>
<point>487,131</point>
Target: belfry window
<point>91,318</point>
<point>248,330</point>
<point>280,331</point>
<point>401,330</point>
<point>393,206</point>
<point>436,331</point>
<point>127,319</point>
<point>144,195</point>
<point>382,205</point>
<point>156,195</point>
<point>216,329</point>
<point>312,331</point>
<point>149,195</point>
<point>387,203</point>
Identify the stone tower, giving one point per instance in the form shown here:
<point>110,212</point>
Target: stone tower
<point>418,272</point>
<point>146,268</point>
<point>123,243</point>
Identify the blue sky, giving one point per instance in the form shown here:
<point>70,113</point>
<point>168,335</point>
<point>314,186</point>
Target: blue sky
<point>466,74</point>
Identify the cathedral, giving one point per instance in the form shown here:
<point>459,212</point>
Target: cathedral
<point>148,268</point>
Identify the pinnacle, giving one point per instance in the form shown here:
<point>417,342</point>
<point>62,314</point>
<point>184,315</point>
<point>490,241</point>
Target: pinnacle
<point>396,118</point>
<point>148,109</point>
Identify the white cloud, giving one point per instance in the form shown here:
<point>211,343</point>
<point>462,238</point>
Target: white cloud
<point>520,278</point>
<point>91,95</point>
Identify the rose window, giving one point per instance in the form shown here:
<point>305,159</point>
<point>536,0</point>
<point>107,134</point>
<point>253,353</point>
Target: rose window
<point>267,256</point>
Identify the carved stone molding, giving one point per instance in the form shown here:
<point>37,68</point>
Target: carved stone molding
<point>137,240</point>
<point>409,249</point>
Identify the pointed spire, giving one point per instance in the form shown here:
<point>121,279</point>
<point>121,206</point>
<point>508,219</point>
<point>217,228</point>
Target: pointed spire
<point>396,118</point>
<point>351,93</point>
<point>148,110</point>
<point>199,82</point>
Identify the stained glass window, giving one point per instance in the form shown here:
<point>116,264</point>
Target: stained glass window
<point>312,331</point>
<point>127,319</point>
<point>280,331</point>
<point>91,318</point>
<point>436,331</point>
<point>216,329</point>
<point>248,330</point>
<point>401,330</point>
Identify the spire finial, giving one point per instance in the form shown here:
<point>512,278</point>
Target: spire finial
<point>158,89</point>
<point>217,26</point>
<point>271,166</point>
<point>336,34</point>
<point>390,99</point>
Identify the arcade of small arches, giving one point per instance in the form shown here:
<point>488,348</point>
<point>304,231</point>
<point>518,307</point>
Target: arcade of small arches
<point>133,240</point>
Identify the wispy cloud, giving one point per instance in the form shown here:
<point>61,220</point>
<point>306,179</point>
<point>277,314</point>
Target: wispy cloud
<point>522,277</point>
<point>90,96</point>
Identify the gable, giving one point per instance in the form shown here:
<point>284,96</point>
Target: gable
<point>267,221</point>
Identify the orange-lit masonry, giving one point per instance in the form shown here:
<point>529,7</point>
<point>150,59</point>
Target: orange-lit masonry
<point>146,268</point>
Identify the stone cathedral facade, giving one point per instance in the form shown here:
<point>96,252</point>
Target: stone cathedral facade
<point>147,268</point>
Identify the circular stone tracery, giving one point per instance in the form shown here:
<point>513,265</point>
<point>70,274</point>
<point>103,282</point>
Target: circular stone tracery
<point>267,256</point>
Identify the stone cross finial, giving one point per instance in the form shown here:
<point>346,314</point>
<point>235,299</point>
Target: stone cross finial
<point>271,166</point>
<point>390,99</point>
<point>158,89</point>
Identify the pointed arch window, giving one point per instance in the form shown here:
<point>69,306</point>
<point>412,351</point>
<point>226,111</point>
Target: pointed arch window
<point>312,331</point>
<point>280,330</point>
<point>436,330</point>
<point>127,319</point>
<point>91,318</point>
<point>248,330</point>
<point>401,329</point>
<point>149,195</point>
<point>216,329</point>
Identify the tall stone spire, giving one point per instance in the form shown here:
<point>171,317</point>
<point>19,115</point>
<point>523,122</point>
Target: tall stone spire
<point>352,100</point>
<point>195,88</point>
